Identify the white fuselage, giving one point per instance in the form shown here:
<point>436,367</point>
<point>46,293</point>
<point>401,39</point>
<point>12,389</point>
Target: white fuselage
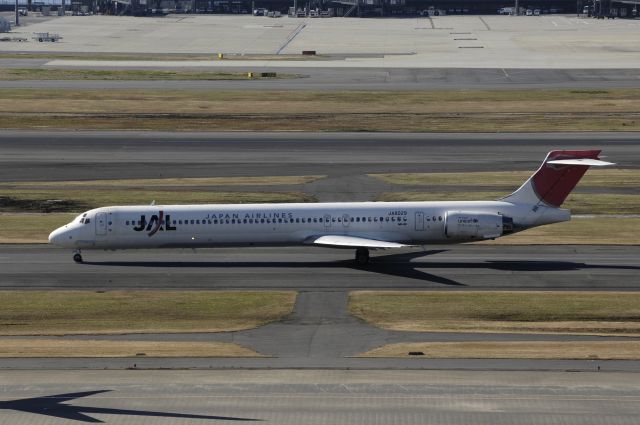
<point>410,223</point>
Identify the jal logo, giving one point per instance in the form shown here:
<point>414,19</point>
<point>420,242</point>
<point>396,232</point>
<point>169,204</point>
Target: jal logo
<point>157,223</point>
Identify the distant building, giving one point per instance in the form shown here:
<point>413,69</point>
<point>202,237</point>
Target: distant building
<point>598,8</point>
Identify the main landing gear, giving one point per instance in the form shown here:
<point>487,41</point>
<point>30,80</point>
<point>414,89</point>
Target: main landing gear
<point>77,257</point>
<point>362,256</point>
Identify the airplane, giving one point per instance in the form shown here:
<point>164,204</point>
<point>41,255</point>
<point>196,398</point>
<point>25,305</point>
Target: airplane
<point>361,226</point>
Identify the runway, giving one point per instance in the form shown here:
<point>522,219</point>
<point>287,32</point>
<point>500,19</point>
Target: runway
<point>48,156</point>
<point>318,397</point>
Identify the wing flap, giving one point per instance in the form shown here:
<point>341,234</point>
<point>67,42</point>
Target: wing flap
<point>343,241</point>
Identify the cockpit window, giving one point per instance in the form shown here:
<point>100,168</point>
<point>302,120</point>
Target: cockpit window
<point>83,219</point>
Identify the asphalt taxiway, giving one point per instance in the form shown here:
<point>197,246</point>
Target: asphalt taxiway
<point>480,267</point>
<point>338,79</point>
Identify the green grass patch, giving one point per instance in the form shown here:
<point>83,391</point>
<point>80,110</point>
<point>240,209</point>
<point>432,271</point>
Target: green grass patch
<point>17,74</point>
<point>500,311</point>
<point>76,200</point>
<point>578,203</point>
<point>86,312</point>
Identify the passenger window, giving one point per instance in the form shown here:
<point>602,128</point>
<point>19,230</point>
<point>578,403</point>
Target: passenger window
<point>358,219</point>
<point>297,220</point>
<point>440,218</point>
<point>352,219</point>
<point>88,220</point>
<point>279,220</point>
<point>375,219</point>
<point>368,218</point>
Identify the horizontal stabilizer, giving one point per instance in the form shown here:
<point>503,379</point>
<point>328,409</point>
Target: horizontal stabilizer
<point>342,241</point>
<point>580,161</point>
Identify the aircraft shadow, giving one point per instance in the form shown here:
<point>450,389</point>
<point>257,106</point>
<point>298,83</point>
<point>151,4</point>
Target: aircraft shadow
<point>55,406</point>
<point>400,265</point>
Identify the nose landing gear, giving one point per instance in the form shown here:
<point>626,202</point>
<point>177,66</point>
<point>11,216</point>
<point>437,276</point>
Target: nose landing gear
<point>77,257</point>
<point>362,256</point>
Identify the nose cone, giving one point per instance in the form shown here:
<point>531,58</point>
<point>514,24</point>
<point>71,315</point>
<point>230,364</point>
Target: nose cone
<point>57,236</point>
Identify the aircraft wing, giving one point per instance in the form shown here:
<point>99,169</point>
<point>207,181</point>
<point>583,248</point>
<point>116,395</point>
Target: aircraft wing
<point>341,241</point>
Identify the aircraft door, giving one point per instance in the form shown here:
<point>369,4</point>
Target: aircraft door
<point>101,224</point>
<point>420,221</point>
<point>327,221</point>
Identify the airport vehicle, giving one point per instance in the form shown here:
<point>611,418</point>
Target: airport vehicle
<point>353,225</point>
<point>45,36</point>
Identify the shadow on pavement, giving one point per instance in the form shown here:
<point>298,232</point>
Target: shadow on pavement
<point>54,406</point>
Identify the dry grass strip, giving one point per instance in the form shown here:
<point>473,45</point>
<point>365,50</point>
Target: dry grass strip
<point>127,312</point>
<point>595,313</point>
<point>102,348</point>
<point>579,350</point>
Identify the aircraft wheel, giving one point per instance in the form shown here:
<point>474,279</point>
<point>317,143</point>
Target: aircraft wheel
<point>362,256</point>
<point>77,258</point>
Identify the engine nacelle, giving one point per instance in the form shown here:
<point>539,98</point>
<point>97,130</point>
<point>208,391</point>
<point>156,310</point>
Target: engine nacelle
<point>475,225</point>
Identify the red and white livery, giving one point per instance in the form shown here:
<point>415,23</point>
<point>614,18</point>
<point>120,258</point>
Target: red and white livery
<point>356,225</point>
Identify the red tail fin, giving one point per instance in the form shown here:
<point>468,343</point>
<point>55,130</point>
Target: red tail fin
<point>553,182</point>
<point>557,176</point>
